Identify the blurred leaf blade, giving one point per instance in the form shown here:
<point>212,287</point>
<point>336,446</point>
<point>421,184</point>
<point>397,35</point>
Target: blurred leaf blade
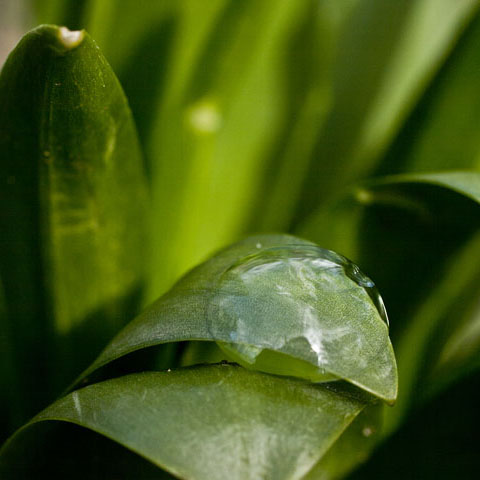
<point>444,120</point>
<point>375,92</point>
<point>419,335</point>
<point>224,84</point>
<point>309,60</point>
<point>281,426</point>
<point>70,257</point>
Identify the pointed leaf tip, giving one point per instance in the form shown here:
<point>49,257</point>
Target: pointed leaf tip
<point>70,38</point>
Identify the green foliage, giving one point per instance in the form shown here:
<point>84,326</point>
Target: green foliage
<point>351,124</point>
<point>71,263</point>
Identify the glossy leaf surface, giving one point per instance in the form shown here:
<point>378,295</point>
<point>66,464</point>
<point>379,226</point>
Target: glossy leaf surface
<point>315,314</point>
<point>240,424</point>
<point>72,206</point>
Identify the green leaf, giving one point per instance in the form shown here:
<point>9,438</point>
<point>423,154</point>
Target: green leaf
<point>209,422</point>
<point>276,293</point>
<point>418,235</point>
<point>73,202</point>
<point>215,121</point>
<point>61,12</point>
<point>388,56</point>
<point>441,133</point>
<point>309,60</point>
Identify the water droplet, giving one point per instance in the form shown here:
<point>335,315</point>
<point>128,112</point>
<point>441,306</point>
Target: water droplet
<point>318,258</point>
<point>290,298</point>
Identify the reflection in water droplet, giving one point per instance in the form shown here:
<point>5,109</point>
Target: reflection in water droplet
<point>317,257</point>
<point>290,297</point>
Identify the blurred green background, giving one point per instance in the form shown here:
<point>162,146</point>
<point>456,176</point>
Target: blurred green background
<point>266,116</point>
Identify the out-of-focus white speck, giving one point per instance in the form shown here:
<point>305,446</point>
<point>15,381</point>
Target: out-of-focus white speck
<point>70,38</point>
<point>204,117</point>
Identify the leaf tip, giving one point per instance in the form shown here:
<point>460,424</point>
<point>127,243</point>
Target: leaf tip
<point>70,39</point>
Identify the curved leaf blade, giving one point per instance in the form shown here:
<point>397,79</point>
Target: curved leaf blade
<point>388,55</point>
<point>353,340</point>
<point>73,187</point>
<point>444,120</point>
<point>240,424</point>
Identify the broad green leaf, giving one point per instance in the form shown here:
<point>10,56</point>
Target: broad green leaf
<point>73,203</point>
<point>212,422</point>
<point>278,294</point>
<point>418,235</point>
<point>388,56</point>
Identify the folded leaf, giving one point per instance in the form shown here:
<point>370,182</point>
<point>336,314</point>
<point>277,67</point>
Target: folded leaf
<point>278,294</point>
<point>211,422</point>
<point>72,206</point>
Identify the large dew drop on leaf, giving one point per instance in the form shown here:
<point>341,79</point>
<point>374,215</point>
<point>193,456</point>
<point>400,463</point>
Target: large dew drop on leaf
<point>282,300</point>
